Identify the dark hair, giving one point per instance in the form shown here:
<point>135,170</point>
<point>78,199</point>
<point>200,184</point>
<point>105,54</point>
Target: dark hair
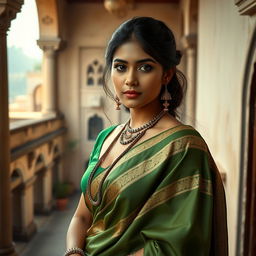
<point>157,40</point>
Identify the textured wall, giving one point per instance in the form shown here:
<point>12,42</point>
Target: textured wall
<point>224,38</point>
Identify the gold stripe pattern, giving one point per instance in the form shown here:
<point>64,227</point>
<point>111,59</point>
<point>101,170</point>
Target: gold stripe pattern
<point>124,223</point>
<point>96,228</point>
<point>159,197</point>
<point>151,142</point>
<point>176,188</point>
<point>138,149</point>
<point>119,227</point>
<point>148,166</point>
<point>206,187</point>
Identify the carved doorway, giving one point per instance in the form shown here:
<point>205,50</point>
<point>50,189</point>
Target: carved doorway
<point>246,221</point>
<point>250,216</point>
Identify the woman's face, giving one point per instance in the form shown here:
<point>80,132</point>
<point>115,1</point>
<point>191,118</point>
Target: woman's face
<point>136,76</point>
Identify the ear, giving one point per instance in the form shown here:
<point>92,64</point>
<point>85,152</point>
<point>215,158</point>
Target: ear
<point>167,75</point>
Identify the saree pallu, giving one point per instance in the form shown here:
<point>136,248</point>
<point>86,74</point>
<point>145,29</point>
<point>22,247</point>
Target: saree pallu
<point>165,195</point>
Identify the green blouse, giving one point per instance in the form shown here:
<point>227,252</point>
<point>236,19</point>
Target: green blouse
<point>94,157</point>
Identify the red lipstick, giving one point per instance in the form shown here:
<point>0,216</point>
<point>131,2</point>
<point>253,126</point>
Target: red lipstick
<point>131,94</point>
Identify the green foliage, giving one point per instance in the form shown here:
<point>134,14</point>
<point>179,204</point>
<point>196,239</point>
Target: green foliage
<point>61,190</point>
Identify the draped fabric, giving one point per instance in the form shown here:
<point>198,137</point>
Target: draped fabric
<point>165,195</point>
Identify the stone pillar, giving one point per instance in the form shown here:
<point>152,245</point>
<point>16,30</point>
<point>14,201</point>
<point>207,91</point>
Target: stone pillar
<point>8,10</point>
<point>44,198</point>
<point>49,48</point>
<point>189,43</point>
<point>47,189</point>
<point>26,228</point>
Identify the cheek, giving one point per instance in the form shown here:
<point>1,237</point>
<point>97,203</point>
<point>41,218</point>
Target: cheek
<point>153,81</point>
<point>117,82</point>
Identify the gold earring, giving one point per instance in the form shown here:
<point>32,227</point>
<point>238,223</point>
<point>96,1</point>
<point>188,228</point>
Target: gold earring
<point>118,103</point>
<point>166,96</point>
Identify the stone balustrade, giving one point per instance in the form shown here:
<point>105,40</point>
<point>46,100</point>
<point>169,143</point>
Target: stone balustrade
<point>37,147</point>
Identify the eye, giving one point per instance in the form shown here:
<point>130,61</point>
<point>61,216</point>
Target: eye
<point>145,68</point>
<point>120,67</point>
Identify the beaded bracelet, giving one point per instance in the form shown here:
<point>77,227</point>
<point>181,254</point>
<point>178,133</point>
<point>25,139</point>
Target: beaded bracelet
<point>73,251</point>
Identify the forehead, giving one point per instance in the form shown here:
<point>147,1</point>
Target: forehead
<point>130,51</point>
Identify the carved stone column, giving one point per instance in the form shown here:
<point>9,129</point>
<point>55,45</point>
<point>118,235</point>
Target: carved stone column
<point>26,228</point>
<point>8,10</point>
<point>49,48</point>
<point>44,198</point>
<point>47,189</point>
<point>189,43</point>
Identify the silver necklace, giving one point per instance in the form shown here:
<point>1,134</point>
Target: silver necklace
<point>130,134</point>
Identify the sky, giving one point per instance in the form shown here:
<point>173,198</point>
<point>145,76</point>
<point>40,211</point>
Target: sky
<point>24,30</point>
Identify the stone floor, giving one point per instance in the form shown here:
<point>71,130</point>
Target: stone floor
<point>51,235</point>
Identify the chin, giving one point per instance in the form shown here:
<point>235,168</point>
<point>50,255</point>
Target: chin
<point>130,106</point>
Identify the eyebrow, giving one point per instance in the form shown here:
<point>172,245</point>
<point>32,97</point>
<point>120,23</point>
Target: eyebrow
<point>138,61</point>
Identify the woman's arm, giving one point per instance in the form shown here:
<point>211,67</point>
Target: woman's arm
<point>78,226</point>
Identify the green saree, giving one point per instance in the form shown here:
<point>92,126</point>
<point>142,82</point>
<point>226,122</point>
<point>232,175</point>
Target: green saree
<point>165,195</point>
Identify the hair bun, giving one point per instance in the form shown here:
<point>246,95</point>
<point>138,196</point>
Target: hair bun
<point>178,57</point>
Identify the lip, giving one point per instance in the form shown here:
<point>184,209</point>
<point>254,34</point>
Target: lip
<point>131,94</point>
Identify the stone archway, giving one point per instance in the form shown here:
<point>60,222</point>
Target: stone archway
<point>246,224</point>
<point>37,98</point>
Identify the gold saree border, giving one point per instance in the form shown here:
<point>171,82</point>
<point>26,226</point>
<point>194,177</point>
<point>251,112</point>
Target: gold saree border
<point>99,226</point>
<point>141,147</point>
<point>148,166</point>
<point>96,228</point>
<point>152,142</point>
<point>161,196</point>
<point>174,189</point>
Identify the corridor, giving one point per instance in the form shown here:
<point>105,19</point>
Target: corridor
<point>51,235</point>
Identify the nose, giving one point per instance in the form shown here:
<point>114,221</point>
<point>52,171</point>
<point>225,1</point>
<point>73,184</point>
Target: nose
<point>131,79</point>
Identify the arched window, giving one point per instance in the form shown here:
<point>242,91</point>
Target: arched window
<point>100,69</point>
<point>90,81</point>
<point>100,74</point>
<point>95,125</point>
<point>90,70</point>
<point>94,73</point>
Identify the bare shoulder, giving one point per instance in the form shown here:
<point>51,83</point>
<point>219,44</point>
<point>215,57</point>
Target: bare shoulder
<point>167,122</point>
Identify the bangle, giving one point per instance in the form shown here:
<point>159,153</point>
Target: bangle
<point>73,251</point>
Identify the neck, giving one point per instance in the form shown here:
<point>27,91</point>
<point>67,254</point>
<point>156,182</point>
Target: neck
<point>140,116</point>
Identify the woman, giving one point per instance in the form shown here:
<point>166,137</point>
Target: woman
<point>151,186</point>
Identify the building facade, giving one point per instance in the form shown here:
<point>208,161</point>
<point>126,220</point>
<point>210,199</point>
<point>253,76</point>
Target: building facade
<point>217,39</point>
